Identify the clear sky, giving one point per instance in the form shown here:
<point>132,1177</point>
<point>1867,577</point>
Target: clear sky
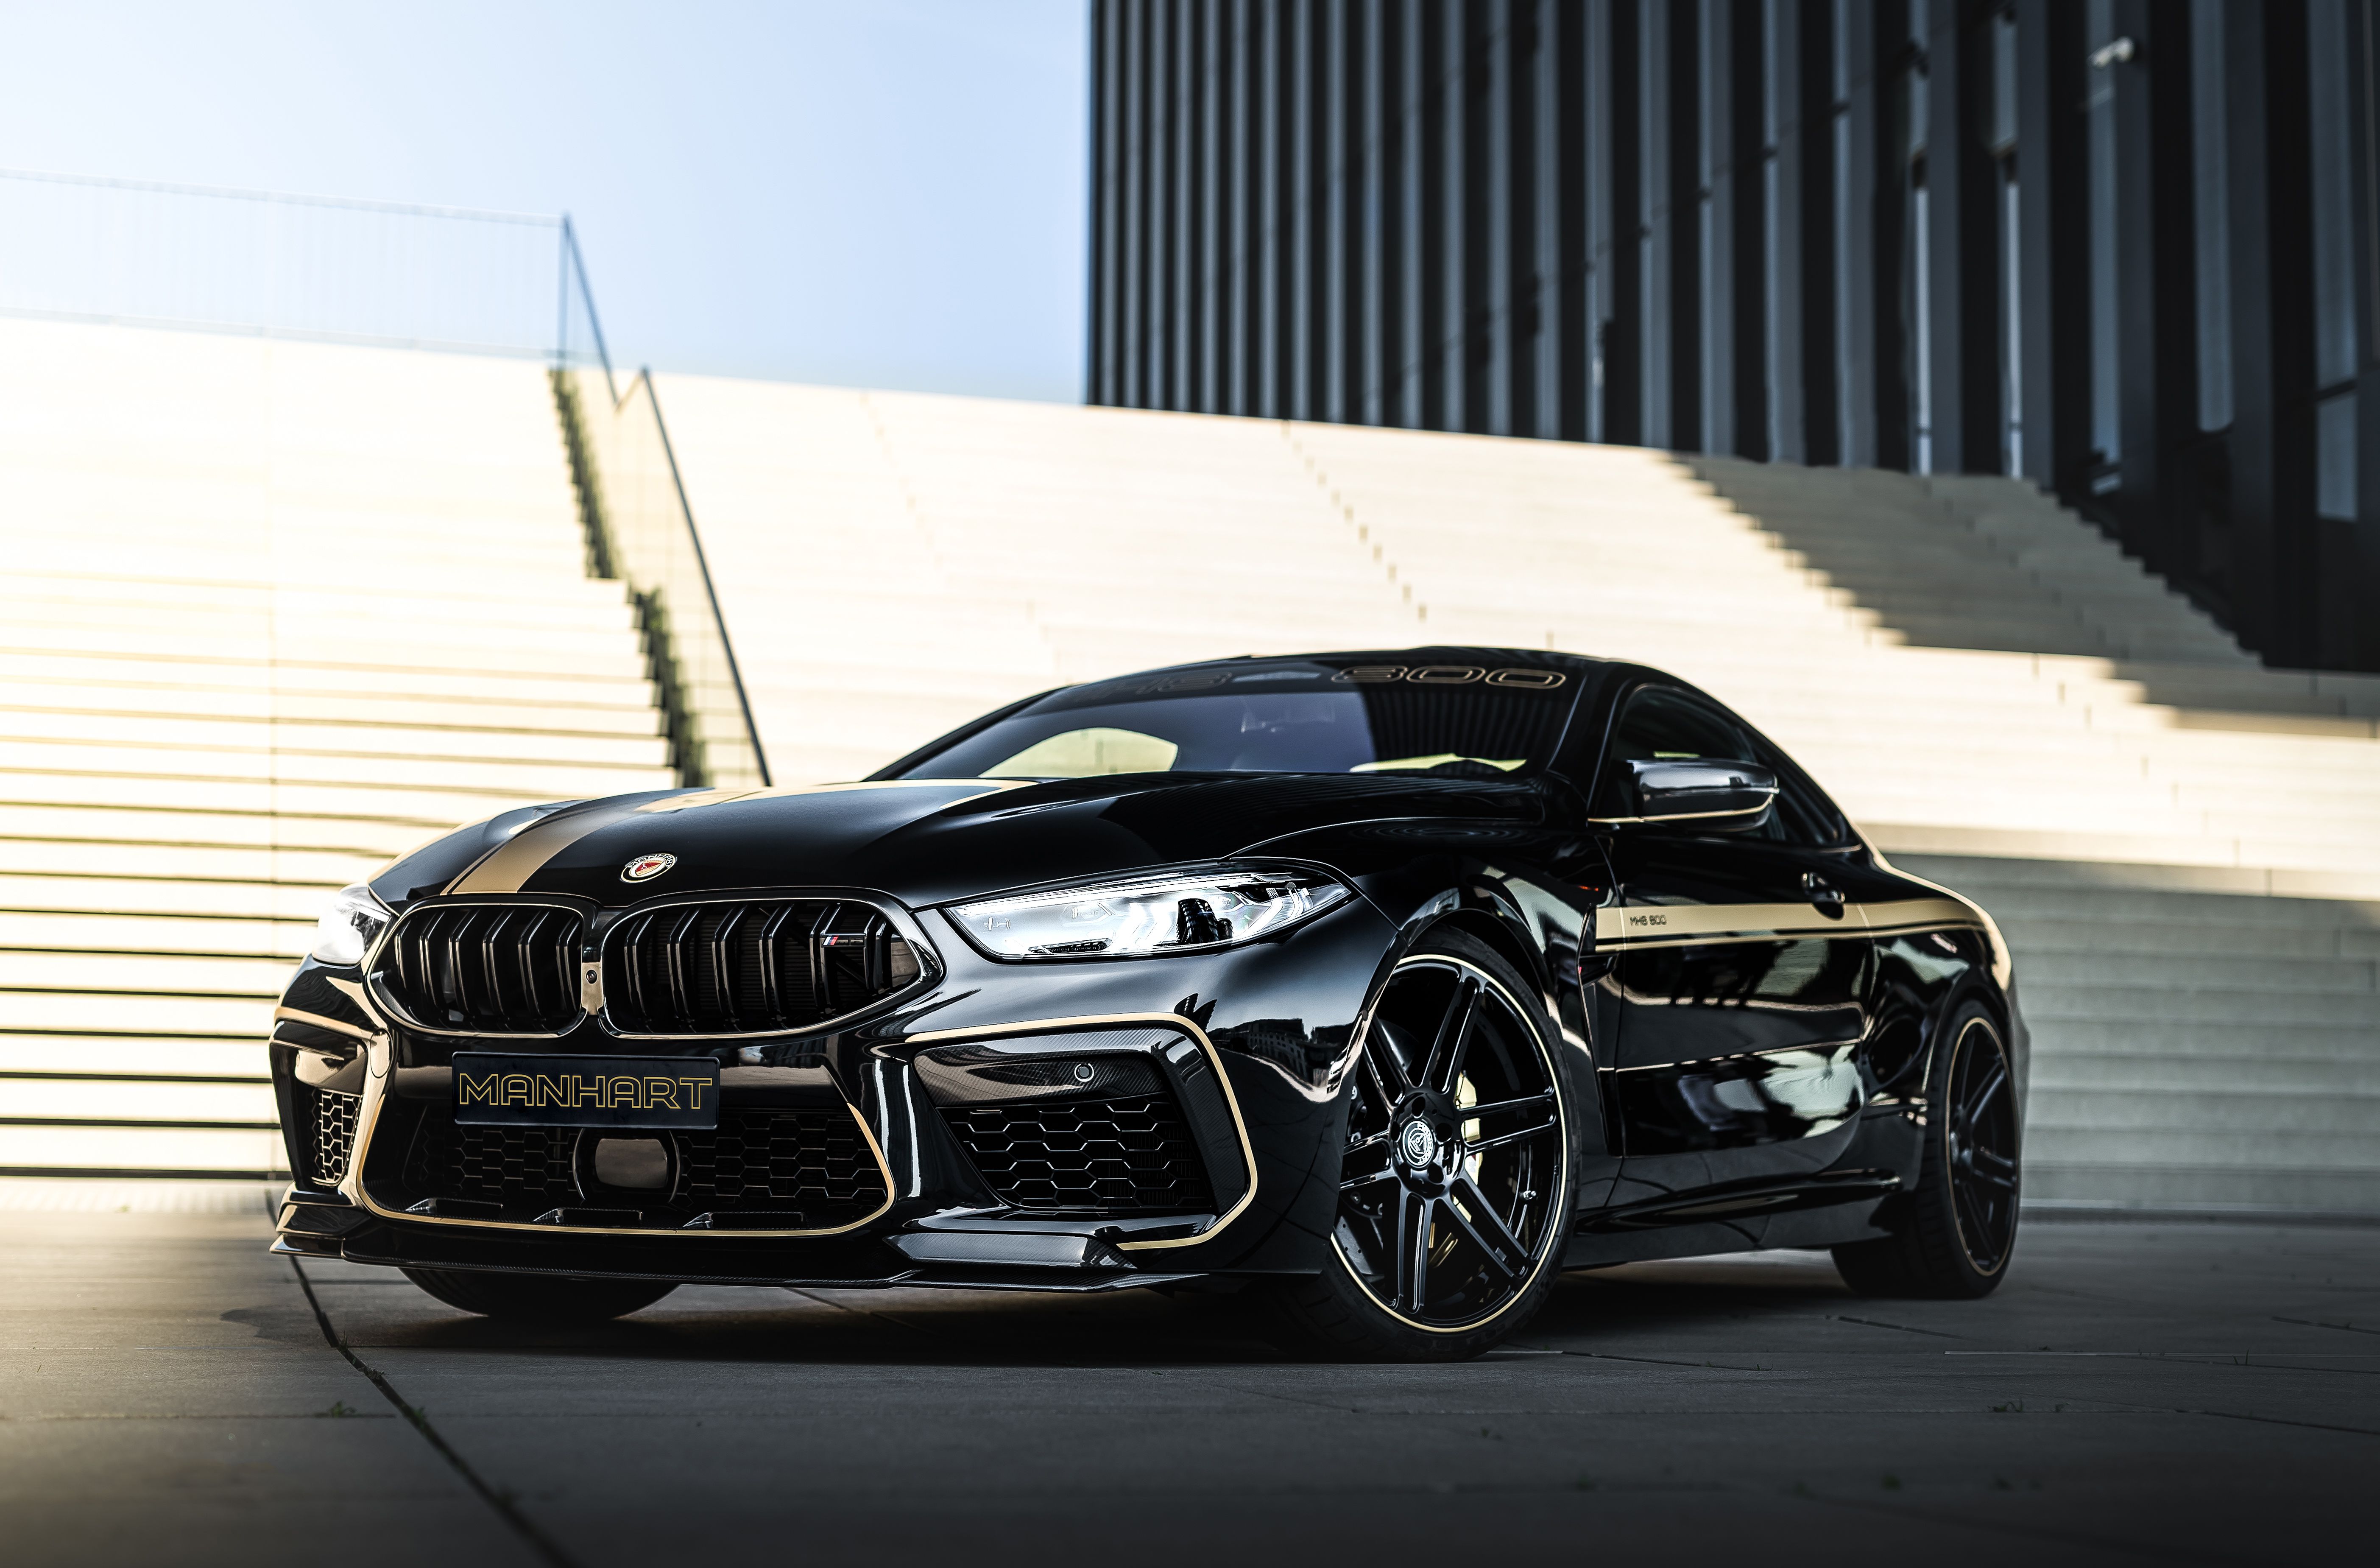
<point>871,192</point>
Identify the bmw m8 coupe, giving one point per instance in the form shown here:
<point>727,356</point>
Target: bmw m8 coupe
<point>1376,989</point>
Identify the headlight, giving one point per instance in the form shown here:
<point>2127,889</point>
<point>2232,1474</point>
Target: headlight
<point>349,926</point>
<point>1146,917</point>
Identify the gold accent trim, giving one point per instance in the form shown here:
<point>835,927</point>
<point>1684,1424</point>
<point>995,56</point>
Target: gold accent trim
<point>354,1031</point>
<point>1678,817</point>
<point>779,792</point>
<point>2003,964</point>
<point>376,1089</point>
<point>1629,927</point>
<point>1562,1221</point>
<point>1168,1020</point>
<point>521,856</point>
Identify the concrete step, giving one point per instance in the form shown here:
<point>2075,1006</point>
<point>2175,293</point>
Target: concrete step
<point>105,974</point>
<point>2240,1045</point>
<point>141,1151</point>
<point>2066,972</point>
<point>33,1011</point>
<point>283,941</point>
<point>193,899</point>
<point>2061,1075</point>
<point>2268,1142</point>
<point>2186,1184</point>
<point>52,1100</point>
<point>98,1056</point>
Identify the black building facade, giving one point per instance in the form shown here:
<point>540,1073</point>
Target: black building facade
<point>2129,249</point>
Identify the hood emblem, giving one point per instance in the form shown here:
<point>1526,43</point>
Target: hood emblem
<point>645,867</point>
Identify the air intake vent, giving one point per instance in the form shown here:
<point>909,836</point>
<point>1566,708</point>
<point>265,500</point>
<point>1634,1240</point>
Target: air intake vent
<point>760,966</point>
<point>1131,1156</point>
<point>333,1135</point>
<point>487,969</point>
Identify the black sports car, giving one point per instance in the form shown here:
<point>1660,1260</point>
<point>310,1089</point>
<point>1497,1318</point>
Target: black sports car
<point>1385,985</point>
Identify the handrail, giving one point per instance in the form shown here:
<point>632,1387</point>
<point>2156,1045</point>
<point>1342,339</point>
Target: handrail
<point>640,528</point>
<point>286,265</point>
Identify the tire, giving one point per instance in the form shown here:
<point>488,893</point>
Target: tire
<point>1961,1216</point>
<point>1450,1226</point>
<point>539,1298</point>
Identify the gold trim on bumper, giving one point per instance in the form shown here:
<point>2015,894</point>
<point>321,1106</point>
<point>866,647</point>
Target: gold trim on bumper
<point>1164,1020</point>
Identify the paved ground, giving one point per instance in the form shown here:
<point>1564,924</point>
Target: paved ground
<point>2184,1393</point>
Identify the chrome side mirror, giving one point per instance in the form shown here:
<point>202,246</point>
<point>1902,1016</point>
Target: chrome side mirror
<point>1704,795</point>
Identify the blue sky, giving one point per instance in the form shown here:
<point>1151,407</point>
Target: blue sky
<point>875,192</point>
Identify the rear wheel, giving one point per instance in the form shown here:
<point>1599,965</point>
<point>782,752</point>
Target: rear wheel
<point>552,1298</point>
<point>1455,1181</point>
<point>1962,1214</point>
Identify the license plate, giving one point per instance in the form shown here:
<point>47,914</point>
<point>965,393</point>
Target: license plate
<point>495,1089</point>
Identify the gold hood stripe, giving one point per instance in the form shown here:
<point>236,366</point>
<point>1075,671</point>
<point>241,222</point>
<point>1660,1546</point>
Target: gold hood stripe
<point>524,853</point>
<point>510,867</point>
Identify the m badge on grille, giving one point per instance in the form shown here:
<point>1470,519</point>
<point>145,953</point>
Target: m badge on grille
<point>645,867</point>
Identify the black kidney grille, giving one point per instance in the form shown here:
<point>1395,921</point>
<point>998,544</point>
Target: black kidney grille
<point>812,1166</point>
<point>487,969</point>
<point>332,1135</point>
<point>750,968</point>
<point>1131,1156</point>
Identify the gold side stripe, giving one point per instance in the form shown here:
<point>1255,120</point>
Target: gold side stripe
<point>1672,925</point>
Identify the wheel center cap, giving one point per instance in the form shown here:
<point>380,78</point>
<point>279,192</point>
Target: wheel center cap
<point>1417,1143</point>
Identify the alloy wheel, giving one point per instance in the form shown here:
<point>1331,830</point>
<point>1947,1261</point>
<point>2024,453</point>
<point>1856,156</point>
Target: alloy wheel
<point>1452,1181</point>
<point>1980,1140</point>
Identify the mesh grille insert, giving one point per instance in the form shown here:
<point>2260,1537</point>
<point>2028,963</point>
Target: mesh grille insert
<point>333,1135</point>
<point>750,968</point>
<point>810,1169</point>
<point>1130,1155</point>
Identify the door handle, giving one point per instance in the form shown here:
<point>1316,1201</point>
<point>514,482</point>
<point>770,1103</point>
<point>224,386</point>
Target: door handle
<point>1824,896</point>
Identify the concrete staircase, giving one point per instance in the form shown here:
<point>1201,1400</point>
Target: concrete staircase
<point>276,613</point>
<point>892,564</point>
<point>2195,1045</point>
<point>1988,686</point>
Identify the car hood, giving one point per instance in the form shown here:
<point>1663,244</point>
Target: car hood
<point>927,842</point>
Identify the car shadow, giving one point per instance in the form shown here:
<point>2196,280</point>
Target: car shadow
<point>765,1326</point>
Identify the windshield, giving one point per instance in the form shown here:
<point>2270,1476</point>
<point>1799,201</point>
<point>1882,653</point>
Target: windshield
<point>1452,721</point>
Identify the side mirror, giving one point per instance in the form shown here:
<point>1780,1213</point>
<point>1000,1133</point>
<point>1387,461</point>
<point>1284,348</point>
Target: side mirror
<point>1704,795</point>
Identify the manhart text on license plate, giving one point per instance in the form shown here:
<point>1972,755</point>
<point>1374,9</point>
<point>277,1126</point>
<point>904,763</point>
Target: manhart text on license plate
<point>492,1090</point>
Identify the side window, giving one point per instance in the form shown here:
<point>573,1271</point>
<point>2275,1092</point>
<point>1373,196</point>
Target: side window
<point>1661,724</point>
<point>1804,814</point>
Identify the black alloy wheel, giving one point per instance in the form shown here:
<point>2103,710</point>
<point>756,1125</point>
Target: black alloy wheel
<point>1979,1139</point>
<point>1455,1180</point>
<point>1962,1214</point>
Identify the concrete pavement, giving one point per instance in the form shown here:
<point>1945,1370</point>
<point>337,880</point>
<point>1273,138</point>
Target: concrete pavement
<point>2177,1393</point>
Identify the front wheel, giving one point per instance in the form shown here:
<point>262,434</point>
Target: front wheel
<point>1961,1218</point>
<point>546,1298</point>
<point>1455,1183</point>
